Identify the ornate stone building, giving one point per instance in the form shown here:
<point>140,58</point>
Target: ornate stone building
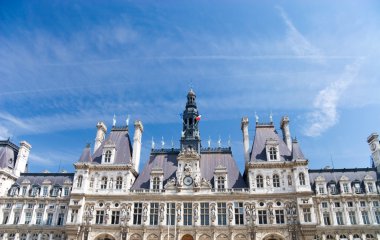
<point>193,192</point>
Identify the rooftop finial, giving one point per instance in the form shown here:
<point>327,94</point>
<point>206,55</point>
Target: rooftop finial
<point>229,141</point>
<point>219,142</point>
<point>127,120</point>
<point>172,143</point>
<point>256,117</point>
<point>162,142</point>
<point>114,120</point>
<point>209,142</point>
<point>271,117</point>
<point>153,144</point>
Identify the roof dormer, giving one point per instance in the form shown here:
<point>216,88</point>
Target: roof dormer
<point>220,177</point>
<point>272,149</point>
<point>109,151</point>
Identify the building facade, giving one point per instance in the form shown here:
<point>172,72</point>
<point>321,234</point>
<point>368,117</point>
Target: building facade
<point>193,192</point>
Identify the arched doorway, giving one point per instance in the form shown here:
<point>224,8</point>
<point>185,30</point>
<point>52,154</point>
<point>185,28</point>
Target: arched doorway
<point>273,236</point>
<point>105,237</point>
<point>187,237</point>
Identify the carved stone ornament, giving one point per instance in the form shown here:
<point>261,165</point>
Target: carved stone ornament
<point>188,154</point>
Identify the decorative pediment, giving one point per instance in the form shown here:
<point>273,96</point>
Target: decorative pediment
<point>109,144</point>
<point>368,178</point>
<point>344,178</point>
<point>157,171</point>
<point>25,181</point>
<point>320,179</point>
<point>46,182</point>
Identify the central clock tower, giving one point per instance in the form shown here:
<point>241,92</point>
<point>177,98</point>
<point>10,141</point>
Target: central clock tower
<point>188,173</point>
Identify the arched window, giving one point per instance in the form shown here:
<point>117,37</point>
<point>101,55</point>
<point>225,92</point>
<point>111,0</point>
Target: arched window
<point>35,236</point>
<point>317,237</point>
<point>79,181</point>
<point>272,153</point>
<point>369,237</point>
<point>276,181</point>
<point>23,236</point>
<point>156,183</point>
<point>329,237</point>
<point>259,181</point>
<point>221,182</point>
<point>103,184</point>
<point>107,156</point>
<point>302,179</point>
<point>119,182</point>
<point>342,236</point>
<point>356,237</point>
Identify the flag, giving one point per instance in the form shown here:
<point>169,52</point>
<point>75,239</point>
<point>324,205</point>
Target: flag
<point>198,118</point>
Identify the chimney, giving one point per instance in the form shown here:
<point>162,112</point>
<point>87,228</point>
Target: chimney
<point>22,157</point>
<point>286,132</point>
<point>100,135</point>
<point>137,144</point>
<point>244,128</point>
<point>373,142</point>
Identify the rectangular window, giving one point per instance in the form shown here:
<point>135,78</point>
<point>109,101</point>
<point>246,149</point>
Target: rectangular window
<point>222,214</point>
<point>153,214</point>
<point>66,192</point>
<point>99,217</point>
<point>377,216</point>
<point>326,218</point>
<point>8,206</point>
<point>306,215</point>
<point>337,204</point>
<point>28,217</point>
<point>74,214</point>
<point>205,214</point>
<point>60,219</point>
<point>370,187</point>
<point>16,218</point>
<point>333,189</point>
<point>41,205</point>
<point>137,212</point>
<point>187,214</point>
<point>321,189</point>
<point>362,204</point>
<point>239,213</point>
<point>5,218</point>
<point>346,188</point>
<point>170,213</point>
<point>45,191</point>
<point>30,205</point>
<point>365,217</point>
<point>49,219</point>
<point>352,217</point>
<point>24,190</point>
<point>375,203</point>
<point>324,204</point>
<point>357,188</point>
<point>262,216</point>
<point>115,217</point>
<point>39,218</point>
<point>350,204</point>
<point>339,218</point>
<point>280,217</point>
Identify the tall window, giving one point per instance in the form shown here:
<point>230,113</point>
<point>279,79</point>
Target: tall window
<point>205,214</point>
<point>156,183</point>
<point>222,214</point>
<point>306,215</point>
<point>187,214</point>
<point>55,192</point>
<point>259,181</point>
<point>272,153</point>
<point>301,177</point>
<point>333,189</point>
<point>339,218</point>
<point>79,181</point>
<point>60,219</point>
<point>35,236</point>
<point>34,192</point>
<point>321,189</point>
<point>99,217</point>
<point>103,184</point>
<point>170,213</point>
<point>49,219</point>
<point>352,216</point>
<point>276,181</point>
<point>365,217</point>
<point>16,218</point>
<point>107,156</point>
<point>280,217</point>
<point>5,218</point>
<point>221,182</point>
<point>39,218</point>
<point>115,217</point>
<point>66,191</point>
<point>346,188</point>
<point>153,214</point>
<point>24,190</point>
<point>377,216</point>
<point>28,217</point>
<point>369,237</point>
<point>23,236</point>
<point>137,212</point>
<point>74,214</point>
<point>239,213</point>
<point>119,182</point>
<point>262,216</point>
<point>370,187</point>
<point>45,191</point>
<point>357,188</point>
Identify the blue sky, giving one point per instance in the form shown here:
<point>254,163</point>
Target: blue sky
<point>65,65</point>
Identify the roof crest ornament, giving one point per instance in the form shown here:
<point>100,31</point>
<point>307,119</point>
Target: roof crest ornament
<point>153,144</point>
<point>219,142</point>
<point>209,142</point>
<point>127,120</point>
<point>256,117</point>
<point>229,141</point>
<point>270,117</point>
<point>114,120</point>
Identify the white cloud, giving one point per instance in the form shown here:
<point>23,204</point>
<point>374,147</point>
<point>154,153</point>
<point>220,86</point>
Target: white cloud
<point>4,133</point>
<point>36,159</point>
<point>325,114</point>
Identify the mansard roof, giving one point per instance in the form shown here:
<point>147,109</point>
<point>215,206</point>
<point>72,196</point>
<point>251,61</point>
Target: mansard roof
<point>263,133</point>
<point>119,137</point>
<point>296,150</point>
<point>8,150</point>
<point>210,160</point>
<point>336,174</point>
<point>39,178</point>
<point>86,155</point>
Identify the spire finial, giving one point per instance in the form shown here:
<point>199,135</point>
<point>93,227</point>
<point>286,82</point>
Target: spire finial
<point>271,117</point>
<point>162,142</point>
<point>219,142</point>
<point>209,142</point>
<point>114,120</point>
<point>153,144</point>
<point>127,120</point>
<point>229,141</point>
<point>256,118</point>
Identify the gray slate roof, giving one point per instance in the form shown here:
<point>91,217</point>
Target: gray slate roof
<point>296,151</point>
<point>39,178</point>
<point>209,161</point>
<point>8,151</point>
<point>336,174</point>
<point>120,137</point>
<point>86,155</point>
<point>263,133</point>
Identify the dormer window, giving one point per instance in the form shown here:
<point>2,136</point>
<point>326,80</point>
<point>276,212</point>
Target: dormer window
<point>156,183</point>
<point>272,153</point>
<point>272,150</point>
<point>156,178</point>
<point>370,187</point>
<point>14,191</point>
<point>55,191</point>
<point>34,191</point>
<point>221,183</point>
<point>107,156</point>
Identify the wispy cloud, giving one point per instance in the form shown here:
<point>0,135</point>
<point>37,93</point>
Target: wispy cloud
<point>325,114</point>
<point>4,133</point>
